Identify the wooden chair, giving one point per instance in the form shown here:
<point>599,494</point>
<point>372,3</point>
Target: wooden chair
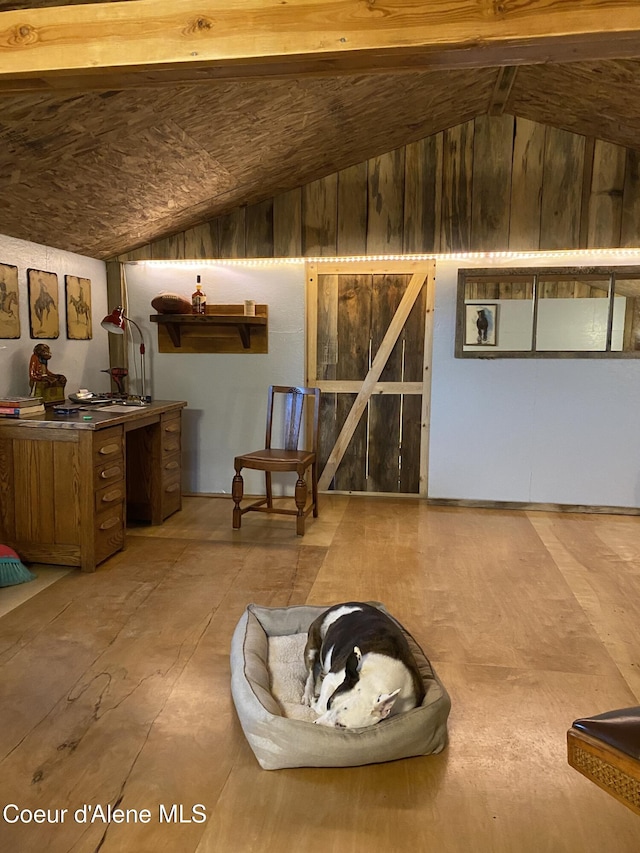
<point>289,458</point>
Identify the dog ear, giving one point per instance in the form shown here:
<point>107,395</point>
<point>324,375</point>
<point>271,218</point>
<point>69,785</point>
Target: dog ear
<point>352,667</point>
<point>384,704</point>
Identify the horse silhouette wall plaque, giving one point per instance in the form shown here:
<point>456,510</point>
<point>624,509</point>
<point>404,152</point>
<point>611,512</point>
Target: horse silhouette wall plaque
<point>43,304</point>
<point>9,303</point>
<point>78,301</point>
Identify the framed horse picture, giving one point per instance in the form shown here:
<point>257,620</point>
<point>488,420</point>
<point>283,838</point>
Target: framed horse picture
<point>9,305</point>
<point>78,300</point>
<point>43,304</point>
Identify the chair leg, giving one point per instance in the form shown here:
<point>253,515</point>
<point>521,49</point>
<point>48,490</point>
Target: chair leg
<point>268,492</point>
<point>301,502</point>
<point>237,491</point>
<point>314,488</point>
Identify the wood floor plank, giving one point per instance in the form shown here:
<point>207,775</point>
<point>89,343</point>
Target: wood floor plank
<point>599,562</point>
<point>114,686</point>
<point>495,597</point>
<point>493,790</point>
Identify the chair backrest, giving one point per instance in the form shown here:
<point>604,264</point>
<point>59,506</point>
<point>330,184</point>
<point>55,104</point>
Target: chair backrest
<point>294,410</point>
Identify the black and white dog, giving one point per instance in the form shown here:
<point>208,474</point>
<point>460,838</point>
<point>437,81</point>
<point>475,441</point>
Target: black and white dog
<point>365,664</point>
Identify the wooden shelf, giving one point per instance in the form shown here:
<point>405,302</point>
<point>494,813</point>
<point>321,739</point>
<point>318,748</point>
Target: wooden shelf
<point>210,332</point>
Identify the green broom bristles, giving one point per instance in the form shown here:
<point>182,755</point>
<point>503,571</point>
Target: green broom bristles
<point>12,571</point>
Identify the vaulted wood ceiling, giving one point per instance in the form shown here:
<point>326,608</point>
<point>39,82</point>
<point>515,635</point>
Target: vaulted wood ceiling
<point>98,169</point>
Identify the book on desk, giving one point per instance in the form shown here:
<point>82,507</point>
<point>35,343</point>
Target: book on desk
<point>20,407</point>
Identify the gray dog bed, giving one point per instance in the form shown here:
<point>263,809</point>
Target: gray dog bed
<point>279,741</point>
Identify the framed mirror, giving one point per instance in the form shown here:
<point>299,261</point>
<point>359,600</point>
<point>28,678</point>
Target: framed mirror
<point>552,312</point>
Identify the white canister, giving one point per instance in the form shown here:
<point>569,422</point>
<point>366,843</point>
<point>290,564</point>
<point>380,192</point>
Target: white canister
<point>249,308</point>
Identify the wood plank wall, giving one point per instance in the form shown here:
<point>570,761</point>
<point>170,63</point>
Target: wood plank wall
<point>491,184</point>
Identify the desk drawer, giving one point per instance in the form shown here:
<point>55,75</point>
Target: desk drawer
<point>110,473</point>
<point>171,495</point>
<point>171,467</point>
<point>108,445</point>
<point>170,444</point>
<point>109,532</point>
<point>171,430</point>
<point>110,496</point>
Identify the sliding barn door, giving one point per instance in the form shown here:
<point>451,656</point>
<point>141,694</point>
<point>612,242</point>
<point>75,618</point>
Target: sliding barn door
<point>368,350</point>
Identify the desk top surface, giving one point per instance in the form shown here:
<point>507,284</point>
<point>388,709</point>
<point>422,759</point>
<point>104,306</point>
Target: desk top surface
<point>99,418</point>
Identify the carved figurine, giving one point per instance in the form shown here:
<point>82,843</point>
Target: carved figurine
<point>42,382</point>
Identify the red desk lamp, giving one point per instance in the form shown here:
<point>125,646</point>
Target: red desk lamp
<point>115,323</point>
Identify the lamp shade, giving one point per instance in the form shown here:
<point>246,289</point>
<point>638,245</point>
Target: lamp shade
<point>114,322</point>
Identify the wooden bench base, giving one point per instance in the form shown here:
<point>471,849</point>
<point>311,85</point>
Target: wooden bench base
<point>612,770</point>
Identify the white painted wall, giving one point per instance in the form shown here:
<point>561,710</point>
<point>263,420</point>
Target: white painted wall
<point>535,430</point>
<point>526,430</point>
<point>226,393</point>
<point>80,361</point>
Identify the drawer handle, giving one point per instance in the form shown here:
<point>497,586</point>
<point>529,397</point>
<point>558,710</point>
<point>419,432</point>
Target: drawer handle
<point>172,428</point>
<point>110,473</point>
<point>110,522</point>
<point>110,497</point>
<point>173,487</point>
<point>171,466</point>
<point>109,449</point>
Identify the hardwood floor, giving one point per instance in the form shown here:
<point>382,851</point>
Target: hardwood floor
<point>13,596</point>
<point>114,686</point>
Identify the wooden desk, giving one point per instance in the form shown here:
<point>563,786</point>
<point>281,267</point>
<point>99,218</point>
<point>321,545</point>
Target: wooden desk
<point>67,486</point>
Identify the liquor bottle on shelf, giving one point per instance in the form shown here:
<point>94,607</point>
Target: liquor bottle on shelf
<point>198,299</point>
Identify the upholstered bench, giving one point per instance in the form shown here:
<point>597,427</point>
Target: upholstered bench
<point>606,749</point>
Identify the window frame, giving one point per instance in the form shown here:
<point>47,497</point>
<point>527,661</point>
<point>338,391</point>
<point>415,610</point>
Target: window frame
<point>492,274</point>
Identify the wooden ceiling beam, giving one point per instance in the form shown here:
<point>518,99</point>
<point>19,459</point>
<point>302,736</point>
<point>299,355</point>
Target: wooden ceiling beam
<point>502,89</point>
<point>230,39</point>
